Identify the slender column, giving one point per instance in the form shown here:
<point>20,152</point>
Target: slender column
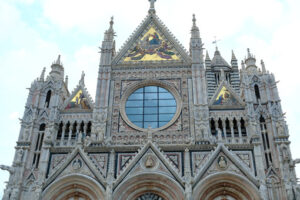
<point>240,131</point>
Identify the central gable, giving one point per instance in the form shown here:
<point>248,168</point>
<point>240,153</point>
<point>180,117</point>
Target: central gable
<point>151,46</point>
<point>151,43</point>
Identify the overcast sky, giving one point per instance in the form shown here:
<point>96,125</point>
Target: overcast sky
<point>34,32</point>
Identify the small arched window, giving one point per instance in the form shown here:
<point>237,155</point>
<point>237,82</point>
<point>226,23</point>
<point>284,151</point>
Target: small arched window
<point>48,98</point>
<point>212,127</point>
<point>257,93</point>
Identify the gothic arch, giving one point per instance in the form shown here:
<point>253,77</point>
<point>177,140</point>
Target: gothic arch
<point>74,185</point>
<point>225,184</point>
<point>154,183</point>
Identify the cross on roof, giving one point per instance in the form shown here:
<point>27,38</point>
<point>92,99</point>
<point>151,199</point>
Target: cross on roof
<point>216,42</point>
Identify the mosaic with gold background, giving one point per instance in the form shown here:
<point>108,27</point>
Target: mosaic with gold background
<point>152,47</point>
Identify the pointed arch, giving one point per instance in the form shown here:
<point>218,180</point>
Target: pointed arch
<point>73,184</point>
<point>143,183</point>
<point>227,183</point>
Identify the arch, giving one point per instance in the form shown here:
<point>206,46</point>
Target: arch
<point>72,185</point>
<point>154,183</point>
<point>225,183</point>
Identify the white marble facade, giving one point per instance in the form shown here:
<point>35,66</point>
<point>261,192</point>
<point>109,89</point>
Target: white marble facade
<point>219,134</point>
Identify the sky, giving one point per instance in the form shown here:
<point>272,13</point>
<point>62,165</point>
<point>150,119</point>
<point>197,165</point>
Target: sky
<point>33,33</point>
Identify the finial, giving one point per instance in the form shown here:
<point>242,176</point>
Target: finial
<point>263,67</point>
<point>42,77</point>
<point>152,8</point>
<point>194,20</point>
<point>111,22</point>
<point>58,60</point>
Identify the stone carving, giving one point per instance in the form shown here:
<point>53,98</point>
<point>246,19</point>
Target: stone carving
<point>222,162</point>
<point>77,164</point>
<point>280,129</point>
<point>149,162</point>
<point>19,156</point>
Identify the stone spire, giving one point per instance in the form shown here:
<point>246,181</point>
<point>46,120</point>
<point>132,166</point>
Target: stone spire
<point>207,58</point>
<point>233,56</point>
<point>233,60</point>
<point>42,77</point>
<point>196,49</point>
<point>57,71</point>
<point>110,33</point>
<point>82,78</point>
<point>152,7</point>
<point>108,45</point>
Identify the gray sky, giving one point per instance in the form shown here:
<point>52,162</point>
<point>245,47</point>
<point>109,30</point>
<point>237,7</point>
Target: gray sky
<point>34,32</point>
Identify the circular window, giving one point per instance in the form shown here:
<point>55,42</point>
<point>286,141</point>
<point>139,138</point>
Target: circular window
<point>151,103</point>
<point>150,106</point>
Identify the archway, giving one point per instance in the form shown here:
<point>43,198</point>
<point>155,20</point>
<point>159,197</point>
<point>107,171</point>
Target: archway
<point>74,187</point>
<point>155,184</point>
<point>225,186</point>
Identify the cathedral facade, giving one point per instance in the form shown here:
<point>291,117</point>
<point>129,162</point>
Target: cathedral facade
<point>166,124</point>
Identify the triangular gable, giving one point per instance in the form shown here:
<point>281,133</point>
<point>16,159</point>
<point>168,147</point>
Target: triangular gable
<point>77,163</point>
<point>149,154</point>
<point>79,101</point>
<point>151,43</point>
<point>222,160</point>
<point>225,97</point>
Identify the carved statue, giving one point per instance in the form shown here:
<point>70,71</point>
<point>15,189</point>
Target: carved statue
<point>19,156</point>
<point>79,138</point>
<point>222,162</point>
<point>280,129</point>
<point>149,162</point>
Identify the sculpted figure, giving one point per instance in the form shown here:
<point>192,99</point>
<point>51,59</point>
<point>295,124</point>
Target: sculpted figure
<point>19,156</point>
<point>222,162</point>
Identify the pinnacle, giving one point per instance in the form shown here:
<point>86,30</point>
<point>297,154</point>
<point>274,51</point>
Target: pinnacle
<point>233,56</point>
<point>207,56</point>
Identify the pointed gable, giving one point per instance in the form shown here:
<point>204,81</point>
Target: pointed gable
<point>151,43</point>
<point>149,158</point>
<point>222,160</point>
<point>225,97</point>
<point>80,100</point>
<point>77,162</point>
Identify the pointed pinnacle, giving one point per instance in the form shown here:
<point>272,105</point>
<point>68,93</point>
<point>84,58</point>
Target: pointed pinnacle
<point>233,56</point>
<point>207,56</point>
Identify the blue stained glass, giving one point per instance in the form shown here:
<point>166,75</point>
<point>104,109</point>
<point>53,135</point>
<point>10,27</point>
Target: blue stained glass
<point>150,106</point>
<point>136,96</point>
<point>150,110</point>
<point>151,89</point>
<point>167,102</point>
